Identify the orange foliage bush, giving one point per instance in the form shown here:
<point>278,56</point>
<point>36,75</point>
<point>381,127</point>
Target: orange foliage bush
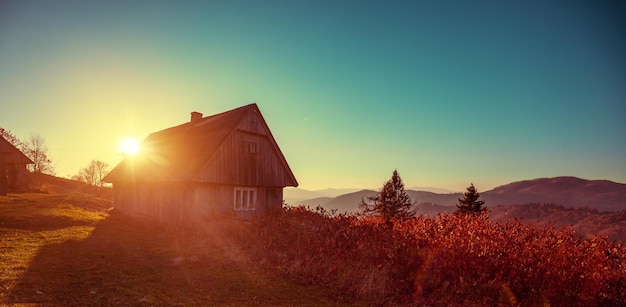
<point>450,259</point>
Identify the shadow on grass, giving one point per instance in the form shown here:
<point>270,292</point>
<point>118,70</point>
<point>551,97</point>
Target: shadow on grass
<point>41,222</point>
<point>39,201</point>
<point>129,262</point>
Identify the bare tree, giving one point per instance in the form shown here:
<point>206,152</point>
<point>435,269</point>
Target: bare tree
<point>11,138</point>
<point>36,149</point>
<point>93,173</point>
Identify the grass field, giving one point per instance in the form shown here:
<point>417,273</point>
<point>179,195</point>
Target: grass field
<point>72,251</point>
<point>68,250</point>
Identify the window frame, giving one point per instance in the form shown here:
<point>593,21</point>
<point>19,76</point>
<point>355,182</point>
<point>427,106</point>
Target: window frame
<point>245,198</point>
<point>252,148</point>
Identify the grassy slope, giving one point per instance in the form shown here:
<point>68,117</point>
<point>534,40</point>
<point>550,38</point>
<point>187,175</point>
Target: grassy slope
<point>67,250</point>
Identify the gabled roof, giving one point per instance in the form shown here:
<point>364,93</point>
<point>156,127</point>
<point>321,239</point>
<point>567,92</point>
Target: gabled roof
<point>178,153</point>
<point>13,155</point>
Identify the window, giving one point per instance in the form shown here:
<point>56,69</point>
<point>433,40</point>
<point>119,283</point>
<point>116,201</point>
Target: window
<point>251,148</point>
<point>245,198</point>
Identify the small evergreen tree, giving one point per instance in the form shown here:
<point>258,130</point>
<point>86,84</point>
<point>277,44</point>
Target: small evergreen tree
<point>392,202</point>
<point>470,203</point>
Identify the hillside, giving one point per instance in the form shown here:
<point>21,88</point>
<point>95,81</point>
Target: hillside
<point>350,202</point>
<point>589,207</point>
<point>584,222</point>
<point>70,250</point>
<point>298,195</point>
<point>44,183</point>
<point>570,192</point>
<point>67,250</point>
<point>449,260</point>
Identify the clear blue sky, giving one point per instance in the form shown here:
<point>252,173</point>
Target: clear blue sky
<point>447,92</point>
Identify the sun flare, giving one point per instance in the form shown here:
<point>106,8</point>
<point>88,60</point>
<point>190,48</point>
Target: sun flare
<point>129,146</point>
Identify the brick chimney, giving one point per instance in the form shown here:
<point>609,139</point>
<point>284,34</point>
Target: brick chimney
<point>195,116</point>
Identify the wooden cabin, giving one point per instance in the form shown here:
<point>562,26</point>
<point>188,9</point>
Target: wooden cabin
<point>228,163</point>
<point>13,172</point>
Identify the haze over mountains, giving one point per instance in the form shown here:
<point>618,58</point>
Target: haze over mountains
<point>570,192</point>
<point>297,195</point>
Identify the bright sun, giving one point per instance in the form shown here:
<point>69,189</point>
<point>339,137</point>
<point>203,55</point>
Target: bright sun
<point>129,146</point>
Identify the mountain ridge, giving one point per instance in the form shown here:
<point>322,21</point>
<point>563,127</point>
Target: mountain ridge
<point>570,192</point>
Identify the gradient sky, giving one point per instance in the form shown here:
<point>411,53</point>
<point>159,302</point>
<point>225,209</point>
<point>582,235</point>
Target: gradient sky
<point>447,92</point>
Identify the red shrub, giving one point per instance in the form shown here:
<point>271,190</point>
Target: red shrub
<point>443,260</point>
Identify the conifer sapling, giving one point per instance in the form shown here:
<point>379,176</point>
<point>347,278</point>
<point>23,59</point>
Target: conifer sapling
<point>470,204</point>
<point>392,202</point>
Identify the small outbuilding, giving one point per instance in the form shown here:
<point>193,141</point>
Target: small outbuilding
<point>13,172</point>
<point>228,163</point>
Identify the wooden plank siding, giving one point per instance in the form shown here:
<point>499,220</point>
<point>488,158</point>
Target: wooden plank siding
<point>225,164</point>
<point>4,187</point>
<point>13,172</point>
<point>232,163</point>
<point>176,202</point>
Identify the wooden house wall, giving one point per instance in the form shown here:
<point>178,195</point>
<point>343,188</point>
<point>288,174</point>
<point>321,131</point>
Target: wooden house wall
<point>274,199</point>
<point>202,200</point>
<point>13,177</point>
<point>213,199</point>
<point>3,174</point>
<point>177,202</point>
<point>248,158</point>
<point>232,163</point>
<point>18,178</point>
<point>253,123</point>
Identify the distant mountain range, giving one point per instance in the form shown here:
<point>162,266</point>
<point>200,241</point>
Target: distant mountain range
<point>297,195</point>
<point>570,192</point>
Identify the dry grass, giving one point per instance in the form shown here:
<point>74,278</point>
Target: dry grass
<point>444,261</point>
<point>67,250</point>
